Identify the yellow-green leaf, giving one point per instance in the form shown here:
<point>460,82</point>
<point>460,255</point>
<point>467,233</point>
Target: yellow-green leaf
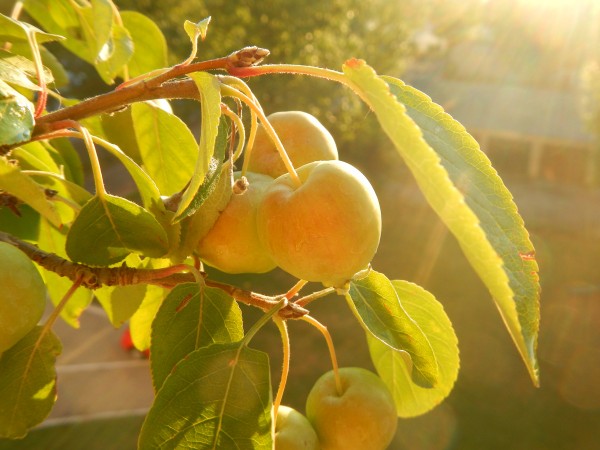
<point>460,184</point>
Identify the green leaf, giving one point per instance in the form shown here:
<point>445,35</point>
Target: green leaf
<point>210,101</point>
<point>53,240</point>
<point>70,160</point>
<point>376,305</point>
<point>140,324</point>
<point>35,156</point>
<point>109,228</point>
<point>17,116</point>
<point>51,63</point>
<point>460,184</point>
<point>196,226</point>
<point>16,183</point>
<point>189,318</point>
<point>218,397</point>
<point>14,31</point>
<point>27,382</point>
<point>196,30</point>
<point>64,187</point>
<point>149,43</point>
<point>15,69</point>
<point>114,54</point>
<point>411,399</point>
<point>167,147</point>
<point>91,32</point>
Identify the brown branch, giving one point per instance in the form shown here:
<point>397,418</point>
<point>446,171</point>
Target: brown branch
<point>96,277</point>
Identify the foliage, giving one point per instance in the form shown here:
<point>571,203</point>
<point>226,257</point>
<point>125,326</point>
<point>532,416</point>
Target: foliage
<point>212,388</point>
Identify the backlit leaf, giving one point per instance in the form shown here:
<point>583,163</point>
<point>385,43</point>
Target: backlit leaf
<point>15,69</point>
<point>27,382</point>
<point>15,182</point>
<point>218,397</point>
<point>196,30</point>
<point>460,184</point>
<point>376,305</point>
<point>167,147</point>
<point>149,44</point>
<point>189,318</point>
<point>13,30</point>
<point>53,240</point>
<point>411,399</point>
<point>210,101</point>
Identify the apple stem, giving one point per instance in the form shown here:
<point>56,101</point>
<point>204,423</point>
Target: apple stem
<point>253,105</point>
<point>295,289</point>
<point>315,295</point>
<point>239,126</point>
<point>285,370</point>
<point>323,329</point>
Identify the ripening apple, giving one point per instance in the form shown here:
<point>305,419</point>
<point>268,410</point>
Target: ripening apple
<point>232,244</point>
<point>305,140</point>
<point>326,229</point>
<point>293,431</point>
<point>362,417</point>
<point>22,295</point>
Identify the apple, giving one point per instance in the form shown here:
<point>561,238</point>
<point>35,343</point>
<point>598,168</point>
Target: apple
<point>326,229</point>
<point>362,417</point>
<point>232,244</point>
<point>22,295</point>
<point>305,140</point>
<point>293,431</point>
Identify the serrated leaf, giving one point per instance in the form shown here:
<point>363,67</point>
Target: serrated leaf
<point>17,116</point>
<point>27,382</point>
<point>210,101</point>
<point>411,399</point>
<point>16,69</point>
<point>376,305</point>
<point>108,228</point>
<point>218,397</point>
<point>15,30</point>
<point>196,30</point>
<point>16,183</point>
<point>167,147</point>
<point>149,43</point>
<point>53,240</point>
<point>189,318</point>
<point>460,184</point>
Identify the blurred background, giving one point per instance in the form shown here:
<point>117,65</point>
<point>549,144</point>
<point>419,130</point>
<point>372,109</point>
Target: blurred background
<point>523,76</point>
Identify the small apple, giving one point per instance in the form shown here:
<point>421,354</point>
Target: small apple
<point>362,417</point>
<point>22,295</point>
<point>232,244</point>
<point>327,229</point>
<point>293,431</point>
<point>305,140</point>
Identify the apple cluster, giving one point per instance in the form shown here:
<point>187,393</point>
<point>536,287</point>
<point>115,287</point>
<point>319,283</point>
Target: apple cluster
<point>325,228</point>
<point>360,416</point>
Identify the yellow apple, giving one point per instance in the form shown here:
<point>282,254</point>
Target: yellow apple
<point>22,295</point>
<point>232,244</point>
<point>327,229</point>
<point>305,140</point>
<point>293,431</point>
<point>362,417</point>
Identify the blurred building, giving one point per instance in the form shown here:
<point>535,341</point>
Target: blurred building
<point>515,84</point>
